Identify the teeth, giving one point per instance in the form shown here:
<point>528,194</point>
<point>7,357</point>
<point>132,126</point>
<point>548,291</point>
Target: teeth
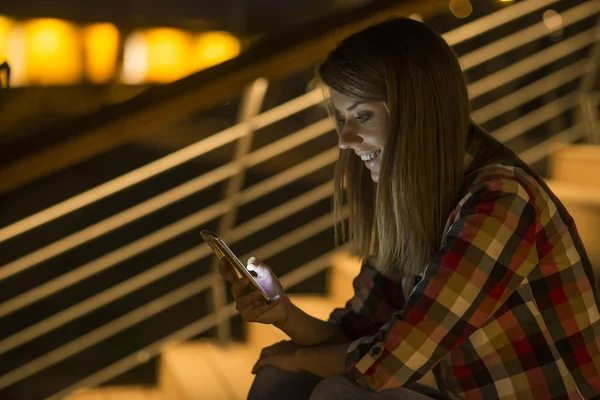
<point>371,156</point>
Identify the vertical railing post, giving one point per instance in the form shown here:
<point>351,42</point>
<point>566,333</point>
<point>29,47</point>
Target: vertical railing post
<point>588,100</point>
<point>251,104</point>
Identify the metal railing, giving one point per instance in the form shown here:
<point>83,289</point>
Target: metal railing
<point>250,121</point>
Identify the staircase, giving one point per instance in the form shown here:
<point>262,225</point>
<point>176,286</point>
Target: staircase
<point>106,289</point>
<point>203,369</point>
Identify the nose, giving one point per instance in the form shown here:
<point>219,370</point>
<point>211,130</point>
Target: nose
<point>348,137</point>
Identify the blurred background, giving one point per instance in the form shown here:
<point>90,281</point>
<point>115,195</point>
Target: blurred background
<point>130,125</point>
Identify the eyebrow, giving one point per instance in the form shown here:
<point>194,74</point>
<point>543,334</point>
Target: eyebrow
<point>353,106</point>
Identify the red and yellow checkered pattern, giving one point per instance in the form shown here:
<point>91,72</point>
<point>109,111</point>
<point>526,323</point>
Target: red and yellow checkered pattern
<point>506,308</point>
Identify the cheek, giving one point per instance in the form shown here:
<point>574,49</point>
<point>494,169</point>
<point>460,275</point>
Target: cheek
<point>379,135</point>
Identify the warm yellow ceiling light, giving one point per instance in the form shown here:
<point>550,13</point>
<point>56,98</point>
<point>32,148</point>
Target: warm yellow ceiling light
<point>101,50</point>
<point>461,8</point>
<point>53,53</point>
<point>212,48</point>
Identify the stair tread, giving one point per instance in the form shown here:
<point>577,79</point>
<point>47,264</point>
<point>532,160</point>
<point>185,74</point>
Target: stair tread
<point>205,370</point>
<point>118,393</point>
<point>234,363</point>
<point>260,335</point>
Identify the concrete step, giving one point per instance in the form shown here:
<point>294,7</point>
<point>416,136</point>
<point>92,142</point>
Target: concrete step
<point>343,270</point>
<point>261,335</point>
<point>583,203</point>
<point>119,393</point>
<point>204,370</point>
<point>578,164</point>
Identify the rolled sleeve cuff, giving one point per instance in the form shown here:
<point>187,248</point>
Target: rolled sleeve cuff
<point>362,358</point>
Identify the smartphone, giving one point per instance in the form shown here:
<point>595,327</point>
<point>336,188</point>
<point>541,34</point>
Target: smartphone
<point>223,251</point>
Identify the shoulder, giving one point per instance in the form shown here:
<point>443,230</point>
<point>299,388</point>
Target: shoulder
<point>501,183</point>
<point>514,187</point>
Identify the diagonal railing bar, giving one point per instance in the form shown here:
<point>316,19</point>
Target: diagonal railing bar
<point>554,144</point>
<point>485,24</point>
<point>143,244</point>
<point>163,269</point>
<point>304,272</point>
<point>169,197</point>
<point>534,62</point>
<point>527,35</point>
<point>148,171</point>
<point>532,91</point>
<point>535,118</point>
<point>162,303</point>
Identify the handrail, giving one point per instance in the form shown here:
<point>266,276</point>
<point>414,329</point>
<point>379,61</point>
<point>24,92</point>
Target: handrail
<point>494,20</point>
<point>453,37</point>
<point>165,268</point>
<point>177,193</point>
<point>553,145</point>
<point>155,306</point>
<point>272,57</point>
<point>159,166</point>
<point>533,62</point>
<point>535,118</point>
<point>532,91</point>
<point>476,89</point>
<point>292,278</point>
<point>527,35</point>
<point>142,244</point>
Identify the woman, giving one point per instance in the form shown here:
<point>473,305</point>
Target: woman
<point>473,267</point>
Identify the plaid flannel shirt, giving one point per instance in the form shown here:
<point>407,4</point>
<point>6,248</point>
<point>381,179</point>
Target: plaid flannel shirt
<point>506,309</point>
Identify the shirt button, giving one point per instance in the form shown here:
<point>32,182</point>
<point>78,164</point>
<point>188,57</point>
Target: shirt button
<point>376,350</point>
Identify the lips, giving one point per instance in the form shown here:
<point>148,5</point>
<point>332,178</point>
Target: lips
<point>370,163</point>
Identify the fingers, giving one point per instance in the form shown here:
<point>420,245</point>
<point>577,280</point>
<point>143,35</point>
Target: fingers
<point>253,311</point>
<point>262,361</point>
<point>226,271</point>
<point>239,288</point>
<point>245,301</point>
<point>276,348</point>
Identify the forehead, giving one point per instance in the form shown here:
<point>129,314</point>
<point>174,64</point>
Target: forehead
<point>341,100</point>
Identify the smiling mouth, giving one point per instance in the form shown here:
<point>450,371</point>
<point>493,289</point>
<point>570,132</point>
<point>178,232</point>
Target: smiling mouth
<point>370,156</point>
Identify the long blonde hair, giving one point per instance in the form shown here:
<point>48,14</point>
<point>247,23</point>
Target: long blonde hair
<point>410,68</point>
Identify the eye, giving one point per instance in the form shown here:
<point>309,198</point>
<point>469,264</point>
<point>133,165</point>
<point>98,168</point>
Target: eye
<point>362,118</point>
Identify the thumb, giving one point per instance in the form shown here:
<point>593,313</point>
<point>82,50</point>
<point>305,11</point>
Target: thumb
<point>257,265</point>
<point>259,268</point>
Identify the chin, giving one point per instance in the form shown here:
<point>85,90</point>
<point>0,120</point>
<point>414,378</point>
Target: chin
<point>375,176</point>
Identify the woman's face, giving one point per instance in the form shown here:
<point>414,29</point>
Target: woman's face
<point>364,127</point>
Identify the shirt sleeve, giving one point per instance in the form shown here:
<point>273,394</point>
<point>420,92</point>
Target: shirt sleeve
<point>376,299</point>
<point>487,252</point>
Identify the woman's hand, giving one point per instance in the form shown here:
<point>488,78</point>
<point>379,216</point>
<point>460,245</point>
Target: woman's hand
<point>322,361</point>
<point>249,305</point>
<point>283,347</point>
<point>281,355</point>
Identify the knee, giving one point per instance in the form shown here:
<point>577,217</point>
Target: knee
<point>272,383</point>
<point>332,388</point>
<point>266,384</point>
